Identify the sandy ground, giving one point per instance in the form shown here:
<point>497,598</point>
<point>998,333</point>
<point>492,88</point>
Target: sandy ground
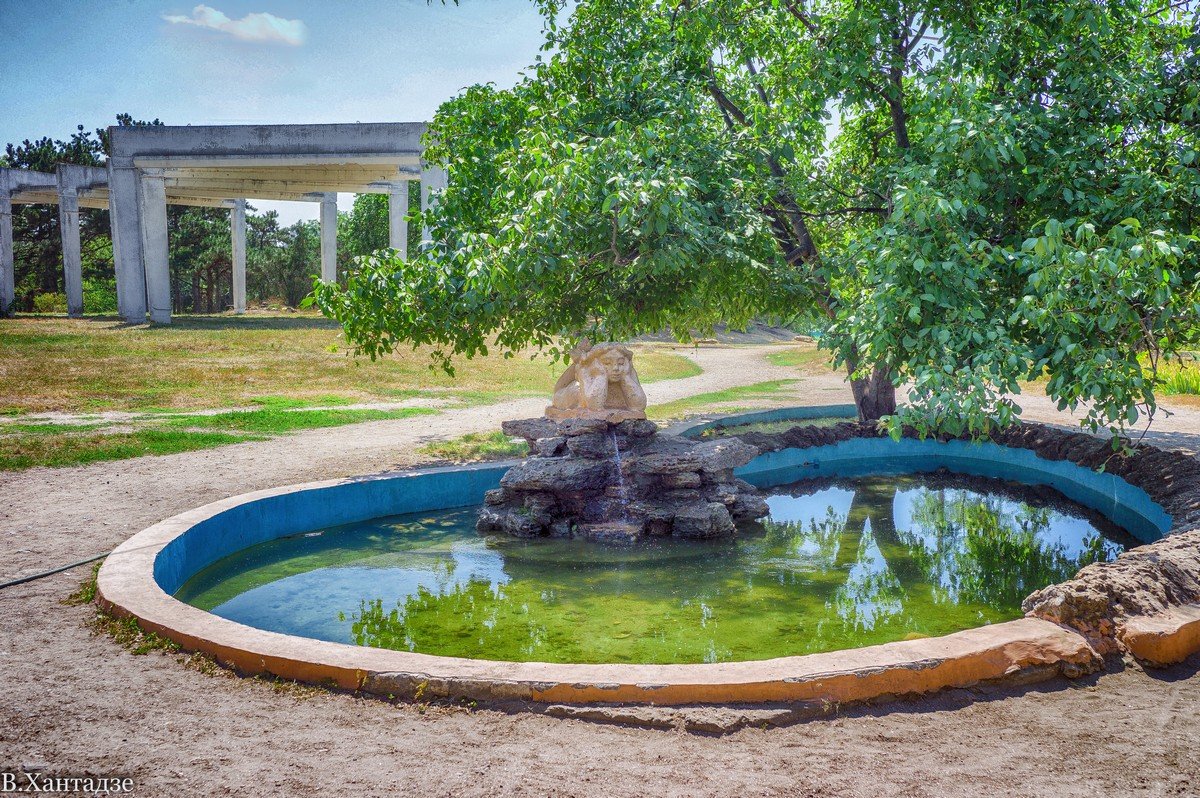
<point>74,702</point>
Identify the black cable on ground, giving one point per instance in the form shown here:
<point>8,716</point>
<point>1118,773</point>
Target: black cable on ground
<point>53,571</point>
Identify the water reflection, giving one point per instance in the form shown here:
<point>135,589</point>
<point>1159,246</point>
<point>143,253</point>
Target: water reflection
<point>836,565</point>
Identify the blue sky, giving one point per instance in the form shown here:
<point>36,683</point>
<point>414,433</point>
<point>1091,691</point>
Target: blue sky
<point>69,62</point>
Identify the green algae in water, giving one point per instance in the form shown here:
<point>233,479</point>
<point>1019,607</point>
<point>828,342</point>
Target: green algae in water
<point>836,565</point>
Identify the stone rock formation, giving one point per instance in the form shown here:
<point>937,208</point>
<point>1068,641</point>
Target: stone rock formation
<point>600,383</point>
<point>589,477</point>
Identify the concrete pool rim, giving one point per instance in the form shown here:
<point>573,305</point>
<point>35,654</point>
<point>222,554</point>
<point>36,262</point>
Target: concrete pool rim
<point>138,578</point>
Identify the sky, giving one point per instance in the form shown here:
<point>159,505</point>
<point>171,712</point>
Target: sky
<point>69,62</point>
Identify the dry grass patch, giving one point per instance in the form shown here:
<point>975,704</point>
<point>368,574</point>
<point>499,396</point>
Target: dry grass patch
<point>203,362</point>
<point>730,400</point>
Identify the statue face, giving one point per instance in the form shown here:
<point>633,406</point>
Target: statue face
<point>616,365</point>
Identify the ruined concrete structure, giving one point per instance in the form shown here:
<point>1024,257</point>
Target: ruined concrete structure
<point>221,167</point>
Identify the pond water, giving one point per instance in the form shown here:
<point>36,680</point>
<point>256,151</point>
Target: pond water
<point>837,565</point>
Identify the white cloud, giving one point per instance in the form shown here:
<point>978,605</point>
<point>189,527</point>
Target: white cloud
<point>258,27</point>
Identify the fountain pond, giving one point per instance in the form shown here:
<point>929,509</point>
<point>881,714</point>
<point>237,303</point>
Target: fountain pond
<point>837,563</point>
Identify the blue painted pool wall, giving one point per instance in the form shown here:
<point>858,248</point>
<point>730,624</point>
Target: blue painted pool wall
<point>1124,504</point>
<point>303,510</point>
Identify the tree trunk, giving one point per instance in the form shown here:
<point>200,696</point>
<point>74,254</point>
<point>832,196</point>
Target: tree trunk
<point>875,396</point>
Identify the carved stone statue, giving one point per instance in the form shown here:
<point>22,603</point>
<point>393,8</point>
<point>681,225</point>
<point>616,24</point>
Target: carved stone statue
<point>599,383</point>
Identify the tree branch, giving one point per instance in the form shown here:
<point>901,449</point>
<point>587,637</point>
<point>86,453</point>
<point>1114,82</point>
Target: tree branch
<point>805,20</point>
<point>844,211</point>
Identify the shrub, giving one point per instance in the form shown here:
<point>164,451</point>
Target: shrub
<point>100,296</point>
<point>50,303</point>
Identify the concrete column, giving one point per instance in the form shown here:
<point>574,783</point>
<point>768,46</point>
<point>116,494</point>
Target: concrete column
<point>155,253</point>
<point>8,289</point>
<point>329,237</point>
<point>433,180</point>
<point>398,218</point>
<point>68,224</point>
<point>237,216</point>
<point>124,215</point>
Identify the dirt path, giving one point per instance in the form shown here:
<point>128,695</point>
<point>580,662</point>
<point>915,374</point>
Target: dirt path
<point>77,703</point>
<point>52,516</point>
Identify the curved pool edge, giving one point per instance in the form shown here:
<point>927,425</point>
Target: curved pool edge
<point>131,583</point>
<point>1022,650</point>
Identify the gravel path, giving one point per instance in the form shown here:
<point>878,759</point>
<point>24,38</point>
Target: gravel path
<point>76,703</point>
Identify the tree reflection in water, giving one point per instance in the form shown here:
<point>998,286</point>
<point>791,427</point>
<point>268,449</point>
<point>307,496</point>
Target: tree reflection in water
<point>897,557</point>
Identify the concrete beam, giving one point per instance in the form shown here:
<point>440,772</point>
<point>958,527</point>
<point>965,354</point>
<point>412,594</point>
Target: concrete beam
<point>329,238</point>
<point>215,197</point>
<point>315,174</point>
<point>16,181</point>
<point>155,251</point>
<point>200,202</point>
<point>398,218</point>
<point>238,224</point>
<point>209,144</point>
<point>68,224</point>
<point>81,178</point>
<point>233,186</point>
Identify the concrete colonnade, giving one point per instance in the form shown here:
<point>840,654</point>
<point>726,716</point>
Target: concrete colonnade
<point>216,166</point>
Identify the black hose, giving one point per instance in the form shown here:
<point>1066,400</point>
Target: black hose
<point>51,572</point>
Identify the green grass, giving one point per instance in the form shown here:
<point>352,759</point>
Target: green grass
<point>277,422</point>
<point>808,358</point>
<point>724,401</point>
<point>293,371</point>
<point>57,445</point>
<point>47,428</point>
<point>1179,379</point>
<point>773,427</point>
<point>475,446</point>
<point>19,451</point>
<point>80,365</point>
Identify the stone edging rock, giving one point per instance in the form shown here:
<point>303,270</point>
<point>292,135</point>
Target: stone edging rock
<point>1147,601</point>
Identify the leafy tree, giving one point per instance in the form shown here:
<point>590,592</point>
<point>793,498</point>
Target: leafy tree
<point>200,247</point>
<point>365,229</point>
<point>966,194</point>
<point>292,275</point>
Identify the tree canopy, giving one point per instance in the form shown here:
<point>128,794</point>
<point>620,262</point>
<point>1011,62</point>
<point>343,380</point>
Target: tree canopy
<point>969,194</point>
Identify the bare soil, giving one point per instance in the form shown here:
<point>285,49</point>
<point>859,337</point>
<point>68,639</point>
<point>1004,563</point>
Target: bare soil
<point>75,702</point>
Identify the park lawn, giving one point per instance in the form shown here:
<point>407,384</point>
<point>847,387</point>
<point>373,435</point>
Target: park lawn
<point>25,445</point>
<point>775,427</point>
<point>476,446</point>
<point>26,450</point>
<point>806,357</point>
<point>277,422</point>
<point>207,362</point>
<point>729,400</point>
